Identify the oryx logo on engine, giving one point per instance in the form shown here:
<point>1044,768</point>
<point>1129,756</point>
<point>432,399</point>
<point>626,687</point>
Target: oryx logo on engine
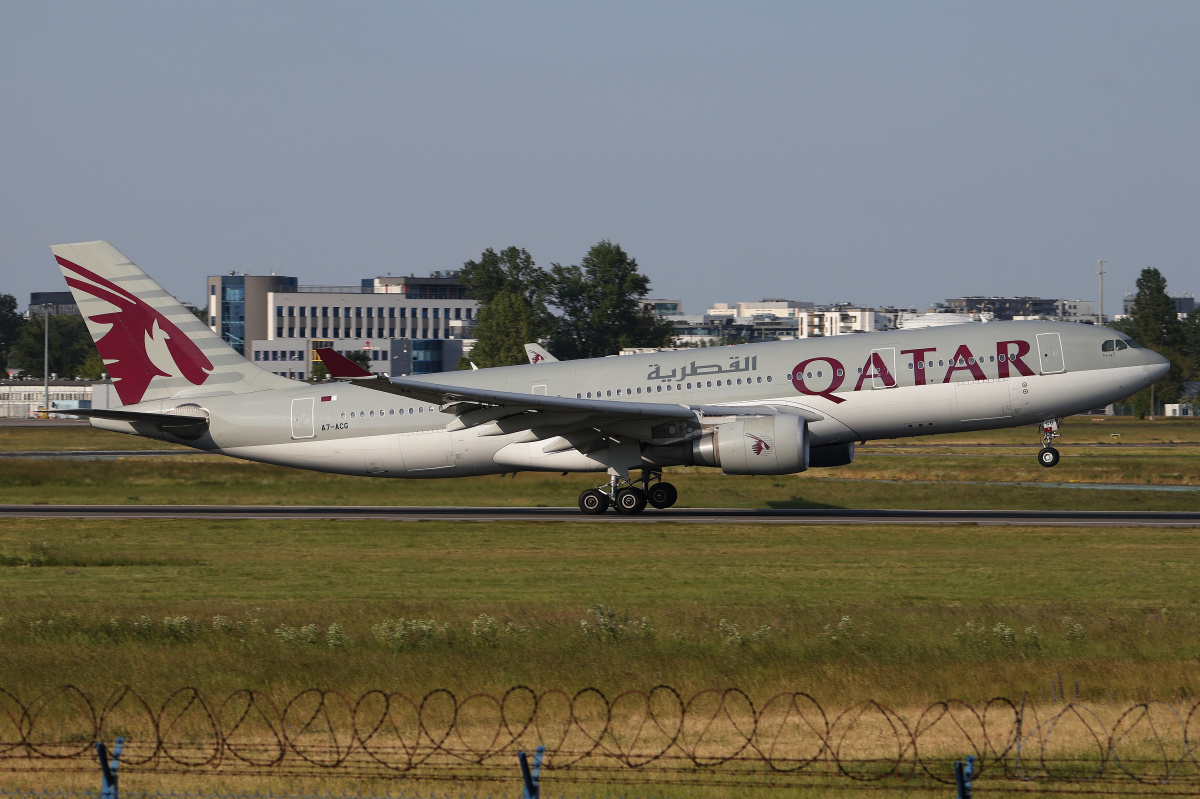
<point>759,446</point>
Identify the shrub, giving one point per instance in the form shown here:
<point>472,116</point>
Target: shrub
<point>181,628</point>
<point>1073,630</point>
<point>308,634</point>
<point>607,626</point>
<point>335,636</point>
<point>485,630</point>
<point>410,633</point>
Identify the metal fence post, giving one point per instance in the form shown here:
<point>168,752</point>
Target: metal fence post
<point>108,770</point>
<point>962,777</point>
<point>532,788</point>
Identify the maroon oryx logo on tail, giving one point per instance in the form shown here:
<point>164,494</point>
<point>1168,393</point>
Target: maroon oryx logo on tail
<point>759,446</point>
<point>537,356</point>
<point>123,348</point>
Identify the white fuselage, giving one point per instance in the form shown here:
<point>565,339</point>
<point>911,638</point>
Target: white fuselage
<point>850,388</point>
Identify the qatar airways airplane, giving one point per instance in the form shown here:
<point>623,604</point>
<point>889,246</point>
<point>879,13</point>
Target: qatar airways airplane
<point>774,408</point>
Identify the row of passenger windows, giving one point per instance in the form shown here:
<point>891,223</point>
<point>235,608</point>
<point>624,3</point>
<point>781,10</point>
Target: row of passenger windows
<point>669,387</point>
<point>388,412</point>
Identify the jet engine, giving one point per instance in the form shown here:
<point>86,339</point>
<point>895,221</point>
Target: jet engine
<point>754,445</point>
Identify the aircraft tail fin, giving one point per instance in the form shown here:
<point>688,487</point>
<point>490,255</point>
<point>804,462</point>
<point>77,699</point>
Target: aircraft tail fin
<point>152,347</point>
<point>536,353</point>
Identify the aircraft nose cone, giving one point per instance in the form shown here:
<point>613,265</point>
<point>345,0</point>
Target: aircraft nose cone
<point>1159,365</point>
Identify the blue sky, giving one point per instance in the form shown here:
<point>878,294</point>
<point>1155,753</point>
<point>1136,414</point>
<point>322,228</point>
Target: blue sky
<point>870,152</point>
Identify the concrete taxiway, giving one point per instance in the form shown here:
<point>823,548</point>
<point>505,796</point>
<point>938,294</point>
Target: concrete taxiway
<point>675,515</point>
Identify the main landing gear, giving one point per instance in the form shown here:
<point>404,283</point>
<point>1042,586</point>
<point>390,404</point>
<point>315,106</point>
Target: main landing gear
<point>627,497</point>
<point>1049,455</point>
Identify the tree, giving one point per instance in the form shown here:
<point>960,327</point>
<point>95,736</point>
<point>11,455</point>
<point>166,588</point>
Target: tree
<point>319,372</point>
<point>600,305</point>
<point>11,323</point>
<point>1191,340</point>
<point>511,291</point>
<point>1154,323</point>
<point>70,345</point>
<point>505,326</point>
<point>360,357</point>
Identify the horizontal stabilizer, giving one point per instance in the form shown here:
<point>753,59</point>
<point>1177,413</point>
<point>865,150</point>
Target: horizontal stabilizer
<point>340,366</point>
<point>178,425</point>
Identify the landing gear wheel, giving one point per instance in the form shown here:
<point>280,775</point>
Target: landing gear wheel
<point>593,502</point>
<point>1048,457</point>
<point>662,495</point>
<point>630,501</point>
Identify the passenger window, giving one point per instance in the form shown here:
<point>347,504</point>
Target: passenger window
<point>839,374</point>
<point>769,377</point>
<point>1108,346</point>
<point>1121,345</point>
<point>660,386</point>
<point>668,386</point>
<point>1001,360</point>
<point>689,385</point>
<point>352,414</point>
<point>710,384</point>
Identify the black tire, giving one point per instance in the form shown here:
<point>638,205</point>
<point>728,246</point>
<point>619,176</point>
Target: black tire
<point>662,495</point>
<point>593,502</point>
<point>1048,457</point>
<point>630,501</point>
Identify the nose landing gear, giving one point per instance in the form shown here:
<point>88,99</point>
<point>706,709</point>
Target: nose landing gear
<point>627,497</point>
<point>1049,455</point>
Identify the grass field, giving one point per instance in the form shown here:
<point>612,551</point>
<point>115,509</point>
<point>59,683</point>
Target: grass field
<point>905,615</point>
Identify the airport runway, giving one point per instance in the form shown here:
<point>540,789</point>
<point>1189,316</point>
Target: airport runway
<point>676,515</point>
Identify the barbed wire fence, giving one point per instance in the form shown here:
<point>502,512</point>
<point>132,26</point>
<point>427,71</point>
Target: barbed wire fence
<point>651,739</point>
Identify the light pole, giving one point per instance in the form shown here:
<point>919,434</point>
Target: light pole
<point>1100,310</point>
<point>46,355</point>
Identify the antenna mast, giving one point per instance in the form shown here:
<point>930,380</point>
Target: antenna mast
<point>1100,310</point>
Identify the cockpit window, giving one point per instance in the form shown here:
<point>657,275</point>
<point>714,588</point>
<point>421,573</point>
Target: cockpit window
<point>1121,345</point>
<point>1133,344</point>
<point>1107,346</point>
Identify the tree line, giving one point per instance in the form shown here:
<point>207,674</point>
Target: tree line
<point>22,343</point>
<point>586,310</point>
<point>591,310</point>
<point>1154,323</point>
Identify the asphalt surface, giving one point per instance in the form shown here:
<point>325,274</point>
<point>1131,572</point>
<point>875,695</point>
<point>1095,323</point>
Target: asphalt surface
<point>677,515</point>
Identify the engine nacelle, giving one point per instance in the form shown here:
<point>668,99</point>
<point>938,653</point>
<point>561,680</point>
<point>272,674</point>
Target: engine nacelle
<point>755,445</point>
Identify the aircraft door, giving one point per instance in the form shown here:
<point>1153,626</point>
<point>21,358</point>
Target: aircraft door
<point>303,425</point>
<point>885,377</point>
<point>1050,353</point>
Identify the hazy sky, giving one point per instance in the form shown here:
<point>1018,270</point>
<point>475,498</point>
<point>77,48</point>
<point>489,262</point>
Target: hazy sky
<point>879,153</point>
